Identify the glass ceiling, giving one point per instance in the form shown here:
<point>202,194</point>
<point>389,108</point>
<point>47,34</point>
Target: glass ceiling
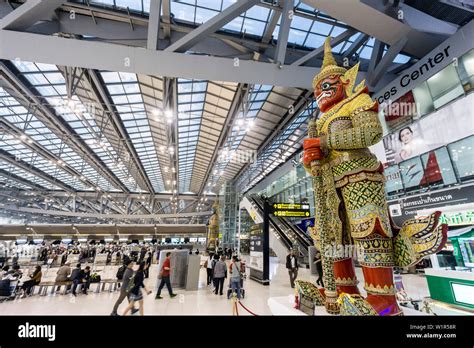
<point>285,145</point>
<point>305,31</point>
<point>127,98</point>
<point>51,85</point>
<point>10,168</point>
<point>244,122</point>
<point>202,108</point>
<point>35,132</point>
<point>191,95</point>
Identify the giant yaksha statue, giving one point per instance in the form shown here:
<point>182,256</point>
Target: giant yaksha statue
<point>350,207</point>
<point>213,234</point>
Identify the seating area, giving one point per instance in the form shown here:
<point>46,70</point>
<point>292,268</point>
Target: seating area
<point>49,287</point>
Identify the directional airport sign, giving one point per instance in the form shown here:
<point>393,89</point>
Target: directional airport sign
<point>291,210</point>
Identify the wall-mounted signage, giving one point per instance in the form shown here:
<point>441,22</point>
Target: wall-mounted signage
<point>446,53</point>
<point>409,207</point>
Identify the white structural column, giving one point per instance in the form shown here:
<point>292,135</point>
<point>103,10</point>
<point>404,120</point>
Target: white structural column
<point>166,18</point>
<point>286,17</point>
<point>377,53</point>
<point>270,28</point>
<point>154,25</point>
<point>29,13</point>
<point>211,26</point>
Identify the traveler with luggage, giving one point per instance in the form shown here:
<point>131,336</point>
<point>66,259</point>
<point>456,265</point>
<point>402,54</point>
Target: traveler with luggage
<point>236,275</point>
<point>125,273</point>
<point>135,286</point>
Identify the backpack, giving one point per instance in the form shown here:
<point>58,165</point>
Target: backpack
<point>131,284</point>
<point>95,278</point>
<point>121,272</point>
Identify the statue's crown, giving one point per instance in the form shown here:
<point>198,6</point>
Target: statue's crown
<point>329,66</point>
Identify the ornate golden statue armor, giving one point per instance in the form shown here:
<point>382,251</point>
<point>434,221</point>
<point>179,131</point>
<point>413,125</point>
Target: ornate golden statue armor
<point>350,208</point>
<point>213,228</point>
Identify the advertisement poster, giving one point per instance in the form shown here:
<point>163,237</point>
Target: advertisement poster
<point>256,251</point>
<point>431,132</point>
<point>305,223</point>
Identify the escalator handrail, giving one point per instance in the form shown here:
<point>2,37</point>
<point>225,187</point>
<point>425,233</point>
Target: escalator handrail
<point>307,241</point>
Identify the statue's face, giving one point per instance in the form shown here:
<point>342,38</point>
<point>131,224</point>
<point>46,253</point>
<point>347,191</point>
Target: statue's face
<point>329,91</point>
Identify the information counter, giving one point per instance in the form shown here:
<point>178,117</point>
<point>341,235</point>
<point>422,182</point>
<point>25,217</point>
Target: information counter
<point>452,287</point>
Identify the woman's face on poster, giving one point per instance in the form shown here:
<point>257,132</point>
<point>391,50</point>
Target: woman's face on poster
<point>406,136</point>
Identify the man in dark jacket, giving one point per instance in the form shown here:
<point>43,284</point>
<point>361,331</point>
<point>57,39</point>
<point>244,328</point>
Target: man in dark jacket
<point>319,268</point>
<point>84,278</point>
<point>74,277</point>
<point>292,266</point>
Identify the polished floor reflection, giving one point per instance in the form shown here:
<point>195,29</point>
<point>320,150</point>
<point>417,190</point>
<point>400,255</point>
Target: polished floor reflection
<point>200,302</point>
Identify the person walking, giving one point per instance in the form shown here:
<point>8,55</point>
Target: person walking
<point>165,277</point>
<point>135,294</point>
<point>220,273</point>
<point>208,265</point>
<point>235,270</point>
<point>35,280</point>
<point>147,265</point>
<point>319,268</point>
<point>127,275</point>
<point>214,261</point>
<point>292,266</point>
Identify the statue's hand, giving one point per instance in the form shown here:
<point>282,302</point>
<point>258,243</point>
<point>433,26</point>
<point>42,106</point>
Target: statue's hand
<point>312,151</point>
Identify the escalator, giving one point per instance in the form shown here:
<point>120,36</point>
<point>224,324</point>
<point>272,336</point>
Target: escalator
<point>290,235</point>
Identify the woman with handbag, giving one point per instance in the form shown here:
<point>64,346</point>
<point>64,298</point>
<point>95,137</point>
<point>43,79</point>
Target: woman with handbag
<point>135,286</point>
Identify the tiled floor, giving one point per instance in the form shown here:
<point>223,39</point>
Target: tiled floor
<point>200,302</point>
